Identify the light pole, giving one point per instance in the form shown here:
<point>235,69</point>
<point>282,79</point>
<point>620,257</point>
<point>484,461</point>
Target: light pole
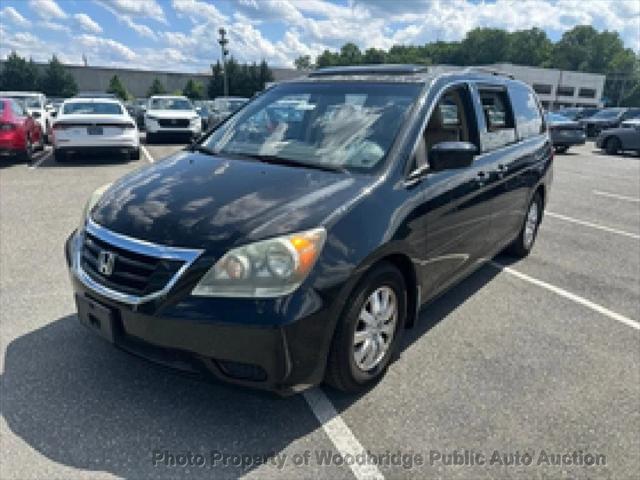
<point>223,41</point>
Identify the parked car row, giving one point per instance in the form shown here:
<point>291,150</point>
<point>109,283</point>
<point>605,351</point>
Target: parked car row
<point>20,132</point>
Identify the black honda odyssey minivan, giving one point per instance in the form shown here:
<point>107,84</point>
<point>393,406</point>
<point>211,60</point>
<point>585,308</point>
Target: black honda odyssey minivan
<point>297,240</point>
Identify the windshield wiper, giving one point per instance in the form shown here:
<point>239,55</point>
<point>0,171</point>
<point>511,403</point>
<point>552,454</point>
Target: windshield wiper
<point>276,160</point>
<point>196,147</point>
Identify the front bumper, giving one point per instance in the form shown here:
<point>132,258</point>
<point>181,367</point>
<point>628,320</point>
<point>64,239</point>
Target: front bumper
<point>233,340</point>
<point>194,128</point>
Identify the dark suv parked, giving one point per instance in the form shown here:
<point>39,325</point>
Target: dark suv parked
<point>297,240</point>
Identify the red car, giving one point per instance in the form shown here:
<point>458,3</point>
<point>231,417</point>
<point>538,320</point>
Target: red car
<point>20,134</point>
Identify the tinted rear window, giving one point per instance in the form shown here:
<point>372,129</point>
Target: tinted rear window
<point>92,108</point>
<point>527,112</point>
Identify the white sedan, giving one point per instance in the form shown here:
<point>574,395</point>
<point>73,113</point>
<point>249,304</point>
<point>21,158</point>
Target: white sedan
<point>93,125</point>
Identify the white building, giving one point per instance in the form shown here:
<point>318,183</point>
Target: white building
<point>555,88</point>
<point>559,88</point>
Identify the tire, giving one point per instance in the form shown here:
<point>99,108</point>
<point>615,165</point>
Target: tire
<point>151,138</point>
<point>344,371</point>
<point>41,142</point>
<point>27,154</point>
<point>522,245</point>
<point>613,145</point>
<point>60,156</point>
<point>561,149</point>
<point>134,154</point>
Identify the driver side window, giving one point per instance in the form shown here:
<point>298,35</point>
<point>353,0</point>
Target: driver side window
<point>452,120</point>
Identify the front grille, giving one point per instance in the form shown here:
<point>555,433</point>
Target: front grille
<point>133,273</point>
<point>173,122</point>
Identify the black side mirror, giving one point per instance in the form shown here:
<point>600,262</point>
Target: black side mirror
<point>450,155</point>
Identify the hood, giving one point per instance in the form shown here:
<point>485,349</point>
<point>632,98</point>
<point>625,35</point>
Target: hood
<point>172,113</point>
<point>195,200</point>
<point>601,121</point>
<point>563,124</point>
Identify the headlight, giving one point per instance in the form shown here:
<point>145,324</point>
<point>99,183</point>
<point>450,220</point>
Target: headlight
<point>269,268</point>
<point>93,199</point>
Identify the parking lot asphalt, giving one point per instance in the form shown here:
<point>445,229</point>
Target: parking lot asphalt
<point>538,355</point>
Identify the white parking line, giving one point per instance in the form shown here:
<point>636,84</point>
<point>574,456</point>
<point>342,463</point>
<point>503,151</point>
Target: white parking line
<point>571,296</point>
<point>616,196</point>
<point>340,434</point>
<point>592,225</point>
<point>45,155</point>
<point>146,153</point>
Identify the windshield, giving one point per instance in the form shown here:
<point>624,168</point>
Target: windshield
<point>229,104</point>
<point>170,104</point>
<point>92,108</point>
<point>555,117</point>
<point>28,102</point>
<point>334,124</point>
<point>608,113</point>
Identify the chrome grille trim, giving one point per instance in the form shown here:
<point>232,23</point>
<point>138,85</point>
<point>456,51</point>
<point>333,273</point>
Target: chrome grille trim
<point>142,247</point>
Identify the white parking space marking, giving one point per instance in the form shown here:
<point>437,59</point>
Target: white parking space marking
<point>340,434</point>
<point>146,153</point>
<point>46,154</point>
<point>616,196</point>
<point>592,225</point>
<point>570,296</point>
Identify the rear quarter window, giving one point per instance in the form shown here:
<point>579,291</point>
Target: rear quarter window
<point>499,118</point>
<point>528,116</point>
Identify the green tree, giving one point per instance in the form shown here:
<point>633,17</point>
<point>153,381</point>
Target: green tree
<point>244,80</point>
<point>373,56</point>
<point>117,88</point>
<point>350,54</point>
<point>18,74</point>
<point>482,46</point>
<point>529,47</point>
<point>193,90</point>
<point>56,81</point>
<point>156,88</point>
<point>303,62</point>
<point>327,59</point>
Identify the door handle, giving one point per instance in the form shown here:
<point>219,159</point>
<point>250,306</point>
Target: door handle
<point>481,177</point>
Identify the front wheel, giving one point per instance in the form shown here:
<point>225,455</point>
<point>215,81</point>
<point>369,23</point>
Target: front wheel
<point>562,149</point>
<point>613,145</point>
<point>522,245</point>
<point>368,332</point>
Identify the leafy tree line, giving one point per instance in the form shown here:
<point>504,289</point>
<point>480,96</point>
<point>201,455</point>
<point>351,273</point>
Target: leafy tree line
<point>18,74</point>
<point>582,49</point>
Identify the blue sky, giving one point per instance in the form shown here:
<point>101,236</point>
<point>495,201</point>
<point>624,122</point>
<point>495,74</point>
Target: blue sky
<point>181,34</point>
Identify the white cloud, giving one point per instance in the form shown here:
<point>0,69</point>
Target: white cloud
<point>87,23</point>
<point>47,9</point>
<point>106,47</point>
<point>54,26</point>
<point>118,11</point>
<point>138,8</point>
<point>14,16</point>
<point>199,11</point>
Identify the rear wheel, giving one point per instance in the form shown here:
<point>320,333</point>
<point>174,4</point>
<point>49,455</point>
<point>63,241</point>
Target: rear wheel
<point>60,156</point>
<point>151,138</point>
<point>561,149</point>
<point>134,154</point>
<point>367,334</point>
<point>613,145</point>
<point>27,154</point>
<point>522,245</point>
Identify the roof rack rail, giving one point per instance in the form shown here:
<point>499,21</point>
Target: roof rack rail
<point>489,70</point>
<point>377,69</point>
